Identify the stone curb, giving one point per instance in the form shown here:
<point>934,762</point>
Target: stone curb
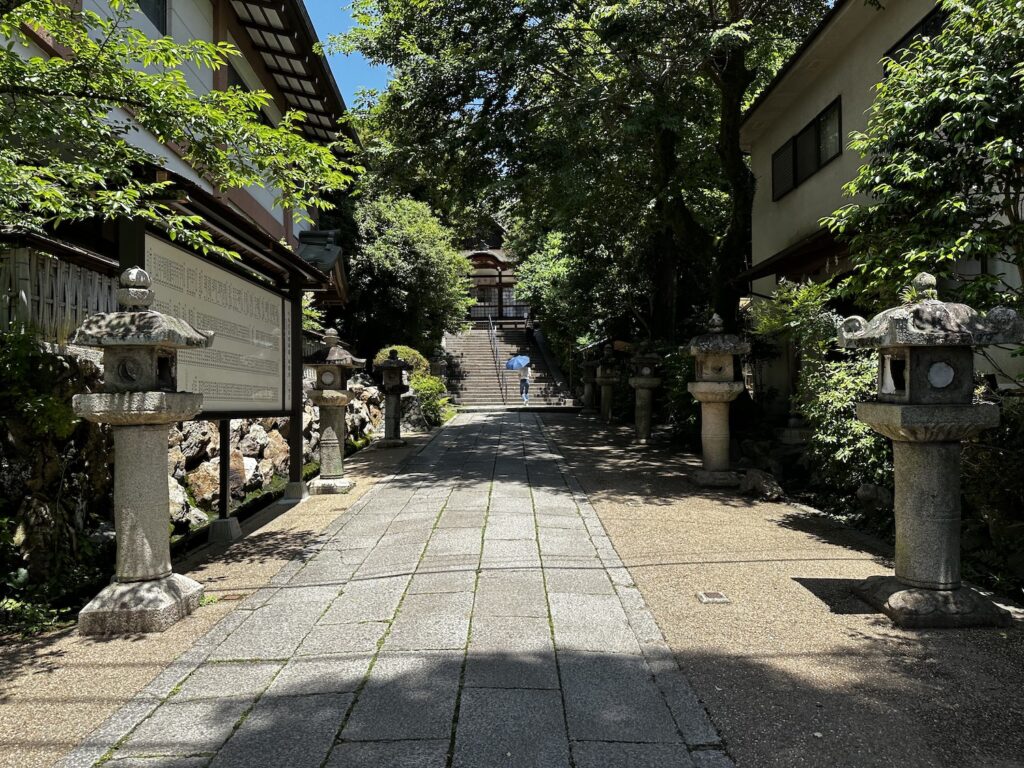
<point>141,706</point>
<point>699,733</point>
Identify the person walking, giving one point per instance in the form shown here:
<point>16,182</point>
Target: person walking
<point>525,375</point>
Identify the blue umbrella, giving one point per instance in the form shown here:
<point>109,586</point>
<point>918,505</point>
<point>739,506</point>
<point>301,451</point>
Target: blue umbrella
<point>517,362</point>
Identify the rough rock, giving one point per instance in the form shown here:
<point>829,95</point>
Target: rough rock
<point>254,441</point>
<point>176,463</point>
<point>873,497</point>
<point>277,452</point>
<point>759,483</point>
<point>358,417</point>
<point>266,470</point>
<point>184,516</point>
<point>204,482</point>
<point>174,437</point>
<point>200,442</point>
<point>242,474</point>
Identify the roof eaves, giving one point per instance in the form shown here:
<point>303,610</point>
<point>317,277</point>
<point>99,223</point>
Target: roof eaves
<point>792,61</point>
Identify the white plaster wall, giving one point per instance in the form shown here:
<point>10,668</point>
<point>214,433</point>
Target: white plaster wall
<point>263,195</point>
<point>191,20</point>
<point>844,61</point>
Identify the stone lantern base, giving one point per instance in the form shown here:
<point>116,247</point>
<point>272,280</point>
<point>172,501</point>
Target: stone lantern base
<point>322,486</point>
<point>716,479</point>
<point>390,442</point>
<point>140,606</point>
<point>915,608</point>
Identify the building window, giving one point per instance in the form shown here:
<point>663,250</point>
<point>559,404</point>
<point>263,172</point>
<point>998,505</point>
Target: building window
<point>156,12</point>
<point>930,26</point>
<point>810,150</point>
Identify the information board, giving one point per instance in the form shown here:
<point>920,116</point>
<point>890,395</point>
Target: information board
<point>246,368</point>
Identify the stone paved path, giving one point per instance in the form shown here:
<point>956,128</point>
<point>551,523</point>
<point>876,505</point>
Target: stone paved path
<point>468,612</point>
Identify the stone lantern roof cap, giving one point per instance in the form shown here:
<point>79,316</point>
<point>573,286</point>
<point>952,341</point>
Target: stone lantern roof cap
<point>334,354</point>
<point>136,325</point>
<point>930,322</point>
<point>717,342</point>
<point>394,361</point>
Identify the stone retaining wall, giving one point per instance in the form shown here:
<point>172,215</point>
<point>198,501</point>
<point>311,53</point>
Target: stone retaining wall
<point>258,453</point>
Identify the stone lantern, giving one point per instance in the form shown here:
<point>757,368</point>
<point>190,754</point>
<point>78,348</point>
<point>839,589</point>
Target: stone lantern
<point>139,400</point>
<point>644,381</point>
<point>715,361</point>
<point>393,372</point>
<point>333,365</point>
<point>925,391</point>
<point>607,376</point>
<point>589,374</point>
<point>439,364</point>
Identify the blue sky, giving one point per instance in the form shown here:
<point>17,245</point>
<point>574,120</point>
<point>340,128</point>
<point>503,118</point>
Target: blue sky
<point>352,72</point>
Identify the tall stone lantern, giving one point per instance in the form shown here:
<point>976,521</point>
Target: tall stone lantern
<point>924,404</point>
<point>333,365</point>
<point>644,381</point>
<point>716,387</point>
<point>139,400</point>
<point>607,376</point>
<point>589,376</point>
<point>393,371</point>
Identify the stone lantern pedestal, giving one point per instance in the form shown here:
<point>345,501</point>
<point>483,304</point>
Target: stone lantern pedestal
<point>393,371</point>
<point>589,374</point>
<point>139,402</point>
<point>925,406</point>
<point>333,365</point>
<point>644,382</point>
<point>333,405</point>
<point>606,377</point>
<point>715,388</point>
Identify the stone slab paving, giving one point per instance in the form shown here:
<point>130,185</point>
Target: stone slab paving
<point>470,612</point>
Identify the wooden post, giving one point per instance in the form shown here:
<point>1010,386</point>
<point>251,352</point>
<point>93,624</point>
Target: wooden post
<point>295,428</point>
<point>224,426</point>
<point>131,243</point>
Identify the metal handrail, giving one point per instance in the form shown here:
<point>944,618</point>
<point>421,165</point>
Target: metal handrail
<point>502,384</point>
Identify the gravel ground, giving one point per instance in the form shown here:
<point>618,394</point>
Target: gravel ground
<point>794,670</point>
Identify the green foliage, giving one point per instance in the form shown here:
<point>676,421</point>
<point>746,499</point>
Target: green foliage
<point>943,179</point>
<point>993,531</point>
<point>420,364</point>
<point>681,409</point>
<point>433,397</point>
<point>843,452</point>
<point>66,125</point>
<point>27,397</point>
<point>312,316</point>
<point>405,276</point>
<point>55,482</point>
<point>613,125</point>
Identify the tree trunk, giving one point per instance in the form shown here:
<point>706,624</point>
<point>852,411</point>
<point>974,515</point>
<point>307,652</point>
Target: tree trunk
<point>663,255</point>
<point>733,254</point>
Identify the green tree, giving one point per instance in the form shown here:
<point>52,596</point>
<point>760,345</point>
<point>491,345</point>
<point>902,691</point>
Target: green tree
<point>943,180</point>
<point>66,125</point>
<point>408,283</point>
<point>615,125</point>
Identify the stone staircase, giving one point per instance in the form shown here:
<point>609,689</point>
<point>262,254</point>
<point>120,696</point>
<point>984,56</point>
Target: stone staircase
<point>471,375</point>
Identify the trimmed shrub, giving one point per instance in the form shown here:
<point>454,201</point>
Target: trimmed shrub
<point>433,397</point>
<point>420,364</point>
